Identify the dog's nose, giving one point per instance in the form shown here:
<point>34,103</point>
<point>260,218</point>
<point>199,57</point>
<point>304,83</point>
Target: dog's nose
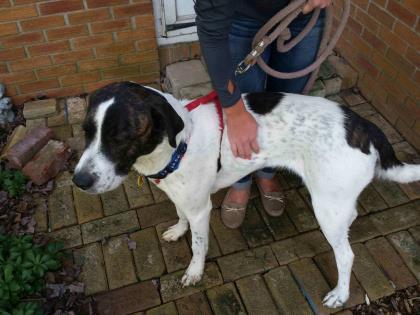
<point>83,180</point>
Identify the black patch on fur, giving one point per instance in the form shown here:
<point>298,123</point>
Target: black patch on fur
<point>134,125</point>
<point>263,102</point>
<point>361,133</point>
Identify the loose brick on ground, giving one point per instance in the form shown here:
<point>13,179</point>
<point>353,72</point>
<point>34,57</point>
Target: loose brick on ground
<point>114,201</point>
<point>253,228</point>
<point>137,197</point>
<point>88,206</point>
<point>246,263</point>
<point>390,262</point>
<point>127,300</point>
<point>63,179</point>
<point>326,263</point>
<point>286,292</point>
<point>17,134</point>
<point>41,214</point>
<point>362,229</point>
<point>147,256</point>
<point>110,226</point>
<point>255,295</point>
<point>284,251</point>
<point>165,309</point>
<point>194,304</point>
<point>40,108</point>
<point>62,133</point>
<point>61,209</point>
<point>118,263</point>
<point>372,279</point>
<point>76,109</point>
<point>309,244</point>
<point>225,300</point>
<point>229,240</point>
<point>409,250</point>
<point>177,254</point>
<point>172,289</point>
<point>35,123</point>
<point>155,214</point>
<point>299,212</point>
<point>371,200</point>
<point>391,193</point>
<point>311,280</point>
<point>77,130</point>
<point>92,274</point>
<point>396,219</point>
<point>70,236</point>
<point>60,118</point>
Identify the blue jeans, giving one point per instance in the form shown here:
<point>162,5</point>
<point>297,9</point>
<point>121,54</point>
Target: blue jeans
<point>255,79</point>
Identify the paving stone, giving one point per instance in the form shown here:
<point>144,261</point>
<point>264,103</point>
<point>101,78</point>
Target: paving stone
<point>310,279</point>
<point>214,250</point>
<point>286,292</point>
<point>371,200</point>
<point>412,190</point>
<point>230,240</point>
<point>351,98</point>
<point>255,295</point>
<point>77,130</point>
<point>147,256</point>
<point>396,219</point>
<point>344,70</point>
<point>318,89</point>
<point>193,304</point>
<point>364,110</point>
<point>391,193</point>
<point>310,244</point>
<point>110,226</point>
<point>332,85</point>
<point>63,179</point>
<point>155,214</point>
<point>195,91</point>
<point>369,275</point>
<point>35,123</point>
<point>76,109</point>
<point>406,153</point>
<point>415,232</point>
<point>253,228</point>
<point>392,135</point>
<point>60,118</point>
<point>158,194</point>
<point>40,108</point>
<point>391,264</point>
<point>92,264</point>
<point>61,209</point>
<point>409,250</point>
<point>172,289</point>
<point>327,265</point>
<point>246,263</point>
<point>137,197</point>
<point>118,263</point>
<point>225,300</point>
<point>326,71</point>
<point>62,133</point>
<point>280,227</point>
<point>299,212</point>
<point>362,229</point>
<point>88,206</point>
<point>114,201</point>
<point>337,99</point>
<point>284,251</point>
<point>127,300</point>
<point>70,236</point>
<point>165,309</point>
<point>177,255</point>
<point>41,214</point>
<point>17,134</point>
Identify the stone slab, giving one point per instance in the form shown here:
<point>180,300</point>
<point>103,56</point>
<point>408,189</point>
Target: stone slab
<point>114,201</point>
<point>40,108</point>
<point>362,229</point>
<point>310,244</point>
<point>41,214</point>
<point>300,214</point>
<point>70,236</point>
<point>61,208</point>
<point>194,304</point>
<point>165,309</point>
<point>391,193</point>
<point>88,206</point>
<point>225,300</point>
<point>284,251</point>
<point>371,200</point>
<point>396,219</point>
<point>76,109</point>
<point>155,214</point>
<point>137,197</point>
<point>253,228</point>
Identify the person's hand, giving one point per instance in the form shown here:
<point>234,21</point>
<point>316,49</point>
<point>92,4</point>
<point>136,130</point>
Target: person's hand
<point>314,4</point>
<point>242,131</point>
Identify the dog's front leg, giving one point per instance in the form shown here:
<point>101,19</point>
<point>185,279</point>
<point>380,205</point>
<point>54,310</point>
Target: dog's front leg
<point>199,225</point>
<point>174,232</point>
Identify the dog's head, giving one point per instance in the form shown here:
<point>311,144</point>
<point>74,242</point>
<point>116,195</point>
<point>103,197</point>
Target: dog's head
<point>123,122</point>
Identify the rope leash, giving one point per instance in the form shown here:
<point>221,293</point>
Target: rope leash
<point>277,29</point>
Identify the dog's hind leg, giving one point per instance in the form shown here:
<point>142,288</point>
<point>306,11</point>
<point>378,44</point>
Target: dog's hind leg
<point>335,216</point>
<point>174,232</point>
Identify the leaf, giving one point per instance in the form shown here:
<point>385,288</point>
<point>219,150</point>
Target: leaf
<point>8,273</point>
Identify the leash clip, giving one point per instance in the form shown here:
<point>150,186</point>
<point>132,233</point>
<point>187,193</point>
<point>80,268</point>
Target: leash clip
<point>247,63</point>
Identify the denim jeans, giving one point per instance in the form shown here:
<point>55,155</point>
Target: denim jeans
<point>255,79</point>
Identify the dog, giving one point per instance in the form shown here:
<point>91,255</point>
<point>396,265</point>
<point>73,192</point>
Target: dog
<point>336,152</point>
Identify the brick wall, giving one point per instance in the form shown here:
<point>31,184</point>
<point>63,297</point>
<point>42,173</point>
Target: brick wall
<point>178,52</point>
<point>382,42</point>
<point>68,47</point>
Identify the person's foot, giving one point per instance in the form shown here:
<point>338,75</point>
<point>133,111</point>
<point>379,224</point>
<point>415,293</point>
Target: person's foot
<point>272,197</point>
<point>234,207</point>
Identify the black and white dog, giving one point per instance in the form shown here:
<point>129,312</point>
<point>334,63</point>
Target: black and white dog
<point>336,152</point>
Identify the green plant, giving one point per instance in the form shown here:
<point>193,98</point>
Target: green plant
<point>23,265</point>
<point>13,182</point>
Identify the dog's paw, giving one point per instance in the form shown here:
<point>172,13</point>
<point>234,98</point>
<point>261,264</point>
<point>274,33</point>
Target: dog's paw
<point>174,232</point>
<point>335,298</point>
<point>192,276</point>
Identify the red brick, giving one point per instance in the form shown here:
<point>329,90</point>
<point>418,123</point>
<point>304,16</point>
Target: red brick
<point>41,23</point>
<point>139,57</point>
<point>393,40</point>
<point>382,63</point>
<point>366,20</point>
<point>89,16</point>
<point>67,32</point>
<point>400,62</point>
<point>88,65</point>
<point>30,63</point>
<point>56,71</point>
<point>72,56</point>
<point>104,3</point>
<point>374,41</point>
<point>62,6</point>
<point>412,38</point>
<point>132,10</point>
<point>49,48</point>
<point>413,56</point>
<point>145,21</point>
<point>21,39</point>
<point>401,13</point>
<point>412,5</point>
<point>38,86</point>
<point>115,49</point>
<point>17,77</point>
<point>12,54</point>
<point>80,78</point>
<point>354,25</point>
<point>8,29</point>
<point>365,64</point>
<point>90,87</point>
<point>17,13</point>
<point>4,3</point>
<point>92,41</point>
<point>3,69</point>
<point>381,16</point>
<point>66,91</point>
<point>121,72</point>
<point>109,26</point>
<point>361,3</point>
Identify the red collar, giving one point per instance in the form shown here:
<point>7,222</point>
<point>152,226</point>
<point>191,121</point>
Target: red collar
<point>208,99</point>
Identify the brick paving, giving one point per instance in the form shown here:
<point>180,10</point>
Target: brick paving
<point>269,265</point>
